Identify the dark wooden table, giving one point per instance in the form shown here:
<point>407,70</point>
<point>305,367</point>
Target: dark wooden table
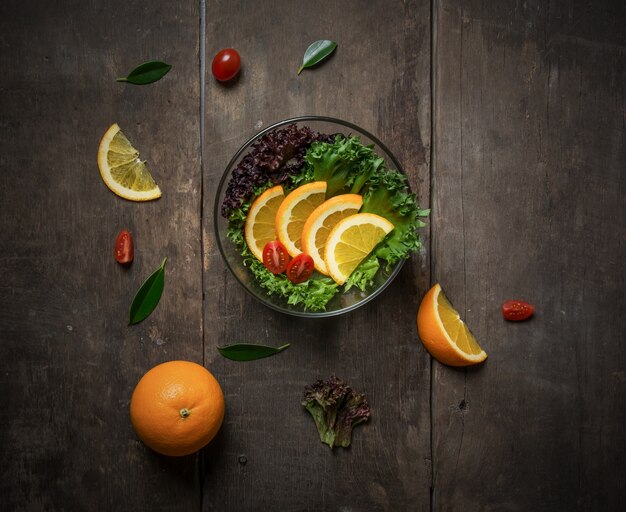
<point>509,118</point>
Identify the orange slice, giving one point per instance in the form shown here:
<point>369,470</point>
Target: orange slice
<point>260,225</point>
<point>294,211</point>
<point>320,223</point>
<point>122,170</point>
<point>444,334</point>
<point>351,241</point>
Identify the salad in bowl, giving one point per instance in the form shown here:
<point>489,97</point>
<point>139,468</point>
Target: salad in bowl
<point>315,217</point>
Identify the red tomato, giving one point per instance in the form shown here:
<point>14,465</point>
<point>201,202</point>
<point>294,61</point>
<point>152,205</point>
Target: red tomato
<point>226,64</point>
<point>275,257</point>
<point>516,310</point>
<point>124,250</point>
<point>300,268</point>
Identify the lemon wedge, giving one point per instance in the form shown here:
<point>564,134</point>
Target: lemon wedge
<point>261,220</point>
<point>294,211</point>
<point>122,170</point>
<point>320,223</point>
<point>351,241</point>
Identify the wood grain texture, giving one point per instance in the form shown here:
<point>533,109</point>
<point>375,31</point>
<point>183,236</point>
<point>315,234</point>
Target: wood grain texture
<point>528,202</point>
<point>69,362</point>
<point>528,181</point>
<point>379,79</point>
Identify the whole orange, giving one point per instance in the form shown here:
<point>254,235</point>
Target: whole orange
<point>177,408</point>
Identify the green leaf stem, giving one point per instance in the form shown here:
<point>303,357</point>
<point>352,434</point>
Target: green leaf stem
<point>249,351</point>
<point>148,296</point>
<point>146,73</point>
<point>317,52</point>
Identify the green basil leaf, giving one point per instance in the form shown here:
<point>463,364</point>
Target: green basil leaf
<point>148,296</point>
<point>249,351</point>
<point>146,73</point>
<point>317,52</point>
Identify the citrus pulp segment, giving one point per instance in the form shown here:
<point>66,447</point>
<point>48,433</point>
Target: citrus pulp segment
<point>320,223</point>
<point>444,334</point>
<point>351,241</point>
<point>260,225</point>
<point>294,211</point>
<point>122,170</point>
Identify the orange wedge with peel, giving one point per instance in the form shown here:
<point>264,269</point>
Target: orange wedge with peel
<point>351,241</point>
<point>444,334</point>
<point>294,211</point>
<point>320,223</point>
<point>260,225</point>
<point>122,169</point>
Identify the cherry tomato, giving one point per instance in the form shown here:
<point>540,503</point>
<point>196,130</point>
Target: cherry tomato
<point>516,310</point>
<point>300,268</point>
<point>226,64</point>
<point>275,257</point>
<point>124,250</point>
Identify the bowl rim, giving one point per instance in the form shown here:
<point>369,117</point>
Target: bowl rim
<point>217,212</point>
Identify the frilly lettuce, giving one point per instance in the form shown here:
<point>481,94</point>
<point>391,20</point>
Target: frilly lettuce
<point>351,167</point>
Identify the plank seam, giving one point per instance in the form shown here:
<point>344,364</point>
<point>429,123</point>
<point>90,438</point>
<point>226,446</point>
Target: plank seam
<point>202,59</point>
<point>433,88</point>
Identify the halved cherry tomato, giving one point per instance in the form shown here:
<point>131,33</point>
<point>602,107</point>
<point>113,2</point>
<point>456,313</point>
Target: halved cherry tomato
<point>124,250</point>
<point>226,64</point>
<point>300,268</point>
<point>516,310</point>
<point>275,257</point>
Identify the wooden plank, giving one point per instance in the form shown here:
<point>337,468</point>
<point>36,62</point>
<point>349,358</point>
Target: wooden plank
<point>69,361</point>
<point>528,198</point>
<point>378,79</point>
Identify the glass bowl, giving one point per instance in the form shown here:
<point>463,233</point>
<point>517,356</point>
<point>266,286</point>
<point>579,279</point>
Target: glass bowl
<point>342,302</point>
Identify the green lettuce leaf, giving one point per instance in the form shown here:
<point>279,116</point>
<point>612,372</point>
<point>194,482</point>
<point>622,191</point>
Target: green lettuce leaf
<point>363,276</point>
<point>349,166</point>
<point>338,164</point>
